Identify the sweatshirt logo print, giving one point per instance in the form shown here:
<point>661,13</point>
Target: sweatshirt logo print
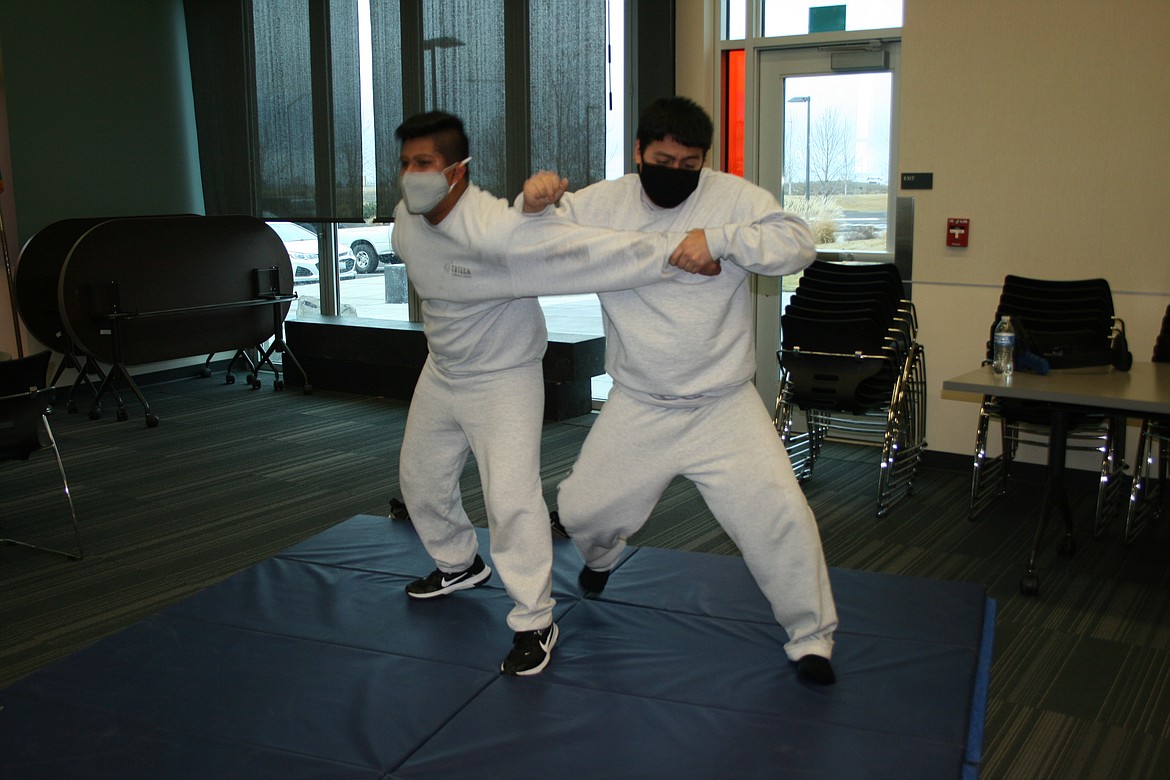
<point>458,270</point>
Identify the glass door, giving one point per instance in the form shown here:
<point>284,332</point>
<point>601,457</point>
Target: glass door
<point>826,147</point>
<point>826,144</point>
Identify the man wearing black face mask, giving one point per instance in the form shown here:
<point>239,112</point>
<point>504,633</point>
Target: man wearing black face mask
<point>682,359</point>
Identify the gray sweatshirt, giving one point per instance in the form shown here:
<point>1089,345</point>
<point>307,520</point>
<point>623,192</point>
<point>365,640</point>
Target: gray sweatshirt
<point>478,272</point>
<point>692,336</point>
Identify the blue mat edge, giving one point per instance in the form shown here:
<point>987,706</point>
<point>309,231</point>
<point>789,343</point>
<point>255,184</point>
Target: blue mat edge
<point>979,698</point>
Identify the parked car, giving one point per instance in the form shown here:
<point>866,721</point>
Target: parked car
<point>370,244</point>
<point>301,244</point>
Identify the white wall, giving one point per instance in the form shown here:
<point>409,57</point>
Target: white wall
<point>1047,125</point>
<point>696,60</point>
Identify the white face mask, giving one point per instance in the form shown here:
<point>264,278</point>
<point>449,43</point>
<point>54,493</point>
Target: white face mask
<point>423,191</point>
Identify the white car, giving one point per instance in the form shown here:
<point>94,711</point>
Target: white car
<point>370,244</point>
<point>301,244</point>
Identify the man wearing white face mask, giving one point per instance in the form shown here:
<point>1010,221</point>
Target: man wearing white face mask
<point>687,406</point>
<point>477,265</point>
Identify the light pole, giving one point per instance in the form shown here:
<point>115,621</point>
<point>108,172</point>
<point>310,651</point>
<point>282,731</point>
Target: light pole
<point>432,45</point>
<point>807,127</point>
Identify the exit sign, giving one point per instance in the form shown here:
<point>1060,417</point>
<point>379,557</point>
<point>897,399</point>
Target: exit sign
<point>917,181</point>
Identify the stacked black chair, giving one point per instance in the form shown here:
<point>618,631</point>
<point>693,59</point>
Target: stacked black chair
<point>1064,324</point>
<point>1147,495</point>
<point>22,417</point>
<point>850,361</point>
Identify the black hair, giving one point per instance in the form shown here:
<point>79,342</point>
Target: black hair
<point>679,118</point>
<point>447,130</point>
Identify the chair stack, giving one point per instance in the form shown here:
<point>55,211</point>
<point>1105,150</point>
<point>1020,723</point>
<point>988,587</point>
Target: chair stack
<point>1146,495</point>
<point>850,361</point>
<point>1059,324</point>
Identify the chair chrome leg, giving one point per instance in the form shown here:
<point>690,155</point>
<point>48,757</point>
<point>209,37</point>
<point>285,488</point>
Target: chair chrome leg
<point>78,553</point>
<point>1146,494</point>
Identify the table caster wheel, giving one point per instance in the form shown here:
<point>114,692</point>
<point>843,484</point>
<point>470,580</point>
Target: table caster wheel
<point>278,384</point>
<point>151,421</point>
<point>205,372</point>
<point>230,379</point>
<point>95,413</point>
<point>308,389</point>
<point>123,415</point>
<point>1029,585</point>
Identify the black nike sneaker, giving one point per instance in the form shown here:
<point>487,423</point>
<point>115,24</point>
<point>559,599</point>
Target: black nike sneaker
<point>592,582</point>
<point>531,651</point>
<point>440,583</point>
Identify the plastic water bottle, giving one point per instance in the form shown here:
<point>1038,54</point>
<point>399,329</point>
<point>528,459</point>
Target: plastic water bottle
<point>1004,347</point>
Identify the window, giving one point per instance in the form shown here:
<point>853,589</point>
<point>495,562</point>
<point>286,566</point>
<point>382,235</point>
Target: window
<point>734,100</point>
<point>300,118</point>
<point>818,92</point>
<point>836,158</point>
<point>581,314</point>
<point>735,20</point>
<point>802,17</point>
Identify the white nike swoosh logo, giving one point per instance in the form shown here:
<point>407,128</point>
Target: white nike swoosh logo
<point>546,643</point>
<point>453,580</point>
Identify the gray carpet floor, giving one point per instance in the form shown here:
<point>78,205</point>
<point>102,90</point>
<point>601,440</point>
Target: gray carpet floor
<point>232,475</point>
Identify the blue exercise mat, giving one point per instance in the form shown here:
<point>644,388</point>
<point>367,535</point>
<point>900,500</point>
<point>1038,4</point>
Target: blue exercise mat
<point>314,663</point>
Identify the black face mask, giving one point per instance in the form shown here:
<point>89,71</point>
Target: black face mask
<point>667,187</point>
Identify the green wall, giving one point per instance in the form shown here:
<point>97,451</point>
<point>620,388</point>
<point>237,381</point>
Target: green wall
<point>100,115</point>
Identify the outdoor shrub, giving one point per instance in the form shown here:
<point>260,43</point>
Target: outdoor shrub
<point>820,211</point>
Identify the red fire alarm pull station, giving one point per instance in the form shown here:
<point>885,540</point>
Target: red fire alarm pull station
<point>958,230</point>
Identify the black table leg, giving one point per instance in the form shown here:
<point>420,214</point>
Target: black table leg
<point>1055,501</point>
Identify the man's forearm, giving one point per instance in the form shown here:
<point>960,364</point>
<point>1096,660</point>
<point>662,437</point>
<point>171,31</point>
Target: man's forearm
<point>776,245</point>
<point>551,256</point>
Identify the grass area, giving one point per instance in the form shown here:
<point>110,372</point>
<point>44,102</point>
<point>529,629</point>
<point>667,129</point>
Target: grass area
<point>868,202</point>
<point>874,202</point>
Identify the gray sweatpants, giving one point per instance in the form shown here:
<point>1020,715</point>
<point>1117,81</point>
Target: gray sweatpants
<point>497,416</point>
<point>729,448</point>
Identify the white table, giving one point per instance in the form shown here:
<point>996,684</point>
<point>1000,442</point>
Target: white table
<point>1143,391</point>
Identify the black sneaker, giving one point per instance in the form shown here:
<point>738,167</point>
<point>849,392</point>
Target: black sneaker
<point>398,510</point>
<point>592,582</point>
<point>558,529</point>
<point>816,668</point>
<point>530,652</point>
<point>440,583</point>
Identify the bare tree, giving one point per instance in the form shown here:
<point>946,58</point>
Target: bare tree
<point>831,149</point>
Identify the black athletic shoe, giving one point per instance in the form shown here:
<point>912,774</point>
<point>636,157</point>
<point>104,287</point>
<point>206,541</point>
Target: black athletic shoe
<point>531,651</point>
<point>440,583</point>
<point>816,668</point>
<point>398,509</point>
<point>558,529</point>
<point>592,582</point>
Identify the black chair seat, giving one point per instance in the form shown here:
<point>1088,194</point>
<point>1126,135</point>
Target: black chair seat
<point>850,362</point>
